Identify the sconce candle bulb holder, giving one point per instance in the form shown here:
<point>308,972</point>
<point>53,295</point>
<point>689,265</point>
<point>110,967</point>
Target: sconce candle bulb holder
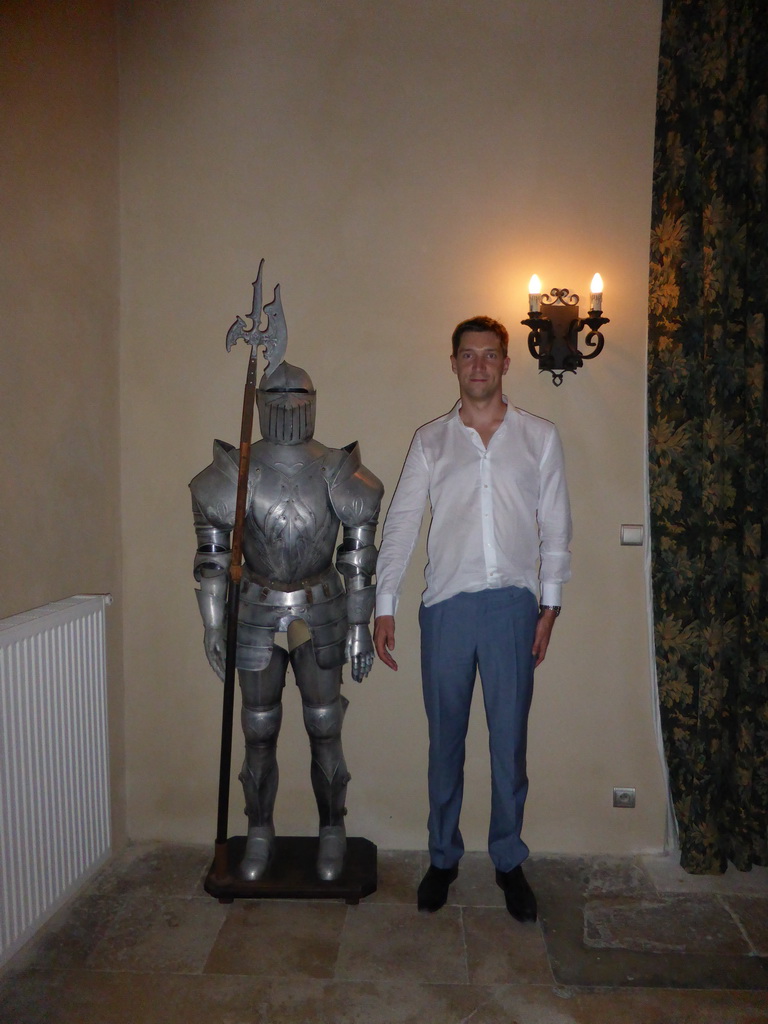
<point>554,330</point>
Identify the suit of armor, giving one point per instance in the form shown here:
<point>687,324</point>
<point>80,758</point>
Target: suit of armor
<point>299,492</point>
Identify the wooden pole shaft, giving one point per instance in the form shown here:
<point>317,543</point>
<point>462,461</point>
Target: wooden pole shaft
<point>233,607</point>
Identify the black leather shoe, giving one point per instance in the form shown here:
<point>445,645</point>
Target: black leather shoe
<point>433,890</point>
<point>521,902</point>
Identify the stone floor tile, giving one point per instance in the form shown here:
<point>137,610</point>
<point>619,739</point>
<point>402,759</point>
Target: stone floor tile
<point>95,997</point>
<point>73,933</point>
<point>122,997</point>
<point>159,935</point>
<point>476,884</point>
<point>406,1002</point>
<point>167,869</point>
<point>500,950</point>
<point>569,875</point>
<point>658,1006</point>
<point>588,876</point>
<point>752,914</point>
<point>576,964</point>
<point>103,959</point>
<point>29,996</point>
<point>562,886</point>
<point>617,876</point>
<point>399,874</point>
<point>385,941</point>
<point>280,938</point>
<point>668,876</point>
<point>98,997</point>
<point>664,924</point>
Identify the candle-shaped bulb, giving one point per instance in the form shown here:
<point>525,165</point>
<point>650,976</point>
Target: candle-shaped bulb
<point>596,294</point>
<point>534,293</point>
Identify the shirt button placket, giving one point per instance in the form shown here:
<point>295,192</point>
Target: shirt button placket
<point>486,503</point>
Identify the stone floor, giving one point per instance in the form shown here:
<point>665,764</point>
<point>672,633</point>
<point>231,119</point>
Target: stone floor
<point>619,940</point>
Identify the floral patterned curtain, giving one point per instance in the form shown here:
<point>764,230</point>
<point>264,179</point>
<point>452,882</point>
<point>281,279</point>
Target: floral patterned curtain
<point>707,425</point>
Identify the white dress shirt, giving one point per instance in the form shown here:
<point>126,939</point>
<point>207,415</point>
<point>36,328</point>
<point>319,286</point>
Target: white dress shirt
<point>500,515</point>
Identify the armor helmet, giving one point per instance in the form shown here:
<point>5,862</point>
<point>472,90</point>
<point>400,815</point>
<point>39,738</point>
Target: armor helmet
<point>286,404</point>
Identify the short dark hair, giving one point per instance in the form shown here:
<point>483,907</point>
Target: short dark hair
<point>481,323</point>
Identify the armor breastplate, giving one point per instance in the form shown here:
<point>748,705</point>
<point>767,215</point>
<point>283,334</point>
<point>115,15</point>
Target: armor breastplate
<point>288,546</point>
<point>291,527</point>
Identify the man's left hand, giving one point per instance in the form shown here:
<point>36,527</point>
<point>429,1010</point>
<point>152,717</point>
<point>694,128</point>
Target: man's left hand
<point>542,635</point>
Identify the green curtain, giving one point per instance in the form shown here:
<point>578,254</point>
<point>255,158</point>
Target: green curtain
<point>707,425</point>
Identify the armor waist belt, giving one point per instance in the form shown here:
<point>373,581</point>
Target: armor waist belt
<point>318,589</point>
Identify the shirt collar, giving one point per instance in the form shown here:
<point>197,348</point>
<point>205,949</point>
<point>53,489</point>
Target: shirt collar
<point>454,413</point>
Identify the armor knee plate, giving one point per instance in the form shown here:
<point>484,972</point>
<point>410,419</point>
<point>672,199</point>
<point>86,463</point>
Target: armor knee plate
<point>261,726</point>
<point>324,721</point>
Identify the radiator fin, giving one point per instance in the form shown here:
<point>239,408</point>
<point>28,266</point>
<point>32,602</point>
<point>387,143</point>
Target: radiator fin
<point>54,761</point>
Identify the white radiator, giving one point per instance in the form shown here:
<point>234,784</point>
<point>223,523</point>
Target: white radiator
<point>54,761</point>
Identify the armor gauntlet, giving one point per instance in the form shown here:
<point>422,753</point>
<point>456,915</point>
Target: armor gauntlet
<point>211,567</point>
<point>356,561</point>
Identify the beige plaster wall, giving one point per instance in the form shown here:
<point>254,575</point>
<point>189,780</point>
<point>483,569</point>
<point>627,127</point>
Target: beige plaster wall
<point>401,166</point>
<point>59,450</point>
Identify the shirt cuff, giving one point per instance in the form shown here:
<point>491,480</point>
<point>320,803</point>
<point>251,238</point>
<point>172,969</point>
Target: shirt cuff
<point>551,593</point>
<point>385,604</point>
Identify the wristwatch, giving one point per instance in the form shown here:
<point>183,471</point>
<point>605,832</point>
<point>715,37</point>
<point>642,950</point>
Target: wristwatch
<point>550,608</point>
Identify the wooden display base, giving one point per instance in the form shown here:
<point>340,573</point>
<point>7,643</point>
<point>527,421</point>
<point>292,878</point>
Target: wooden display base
<point>293,873</point>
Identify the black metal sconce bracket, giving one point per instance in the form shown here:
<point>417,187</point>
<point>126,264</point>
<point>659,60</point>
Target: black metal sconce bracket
<point>553,338</point>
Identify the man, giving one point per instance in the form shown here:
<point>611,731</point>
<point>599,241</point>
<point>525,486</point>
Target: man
<point>495,481</point>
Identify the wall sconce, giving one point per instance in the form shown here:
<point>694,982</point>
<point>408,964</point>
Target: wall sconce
<point>554,337</point>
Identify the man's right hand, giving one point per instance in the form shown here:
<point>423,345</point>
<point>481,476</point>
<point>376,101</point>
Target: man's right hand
<point>384,639</point>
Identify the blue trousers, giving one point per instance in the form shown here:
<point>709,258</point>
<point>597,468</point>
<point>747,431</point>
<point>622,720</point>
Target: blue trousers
<point>491,631</point>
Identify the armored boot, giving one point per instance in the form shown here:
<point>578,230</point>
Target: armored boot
<point>329,781</point>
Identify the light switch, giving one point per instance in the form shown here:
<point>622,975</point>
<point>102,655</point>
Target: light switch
<point>632,534</point>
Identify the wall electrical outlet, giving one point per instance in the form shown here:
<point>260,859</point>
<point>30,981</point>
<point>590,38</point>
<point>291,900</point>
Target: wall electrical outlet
<point>623,797</point>
<point>632,533</point>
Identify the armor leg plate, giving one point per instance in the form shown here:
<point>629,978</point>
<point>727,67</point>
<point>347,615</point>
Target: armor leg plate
<point>260,772</point>
<point>324,709</point>
<point>259,776</point>
<point>329,782</point>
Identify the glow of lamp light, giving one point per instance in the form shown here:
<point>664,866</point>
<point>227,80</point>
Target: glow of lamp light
<point>534,293</point>
<point>596,294</point>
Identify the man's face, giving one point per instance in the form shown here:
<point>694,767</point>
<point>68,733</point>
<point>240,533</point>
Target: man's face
<point>479,364</point>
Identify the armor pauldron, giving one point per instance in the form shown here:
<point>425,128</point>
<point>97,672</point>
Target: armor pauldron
<point>354,491</point>
<point>214,490</point>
